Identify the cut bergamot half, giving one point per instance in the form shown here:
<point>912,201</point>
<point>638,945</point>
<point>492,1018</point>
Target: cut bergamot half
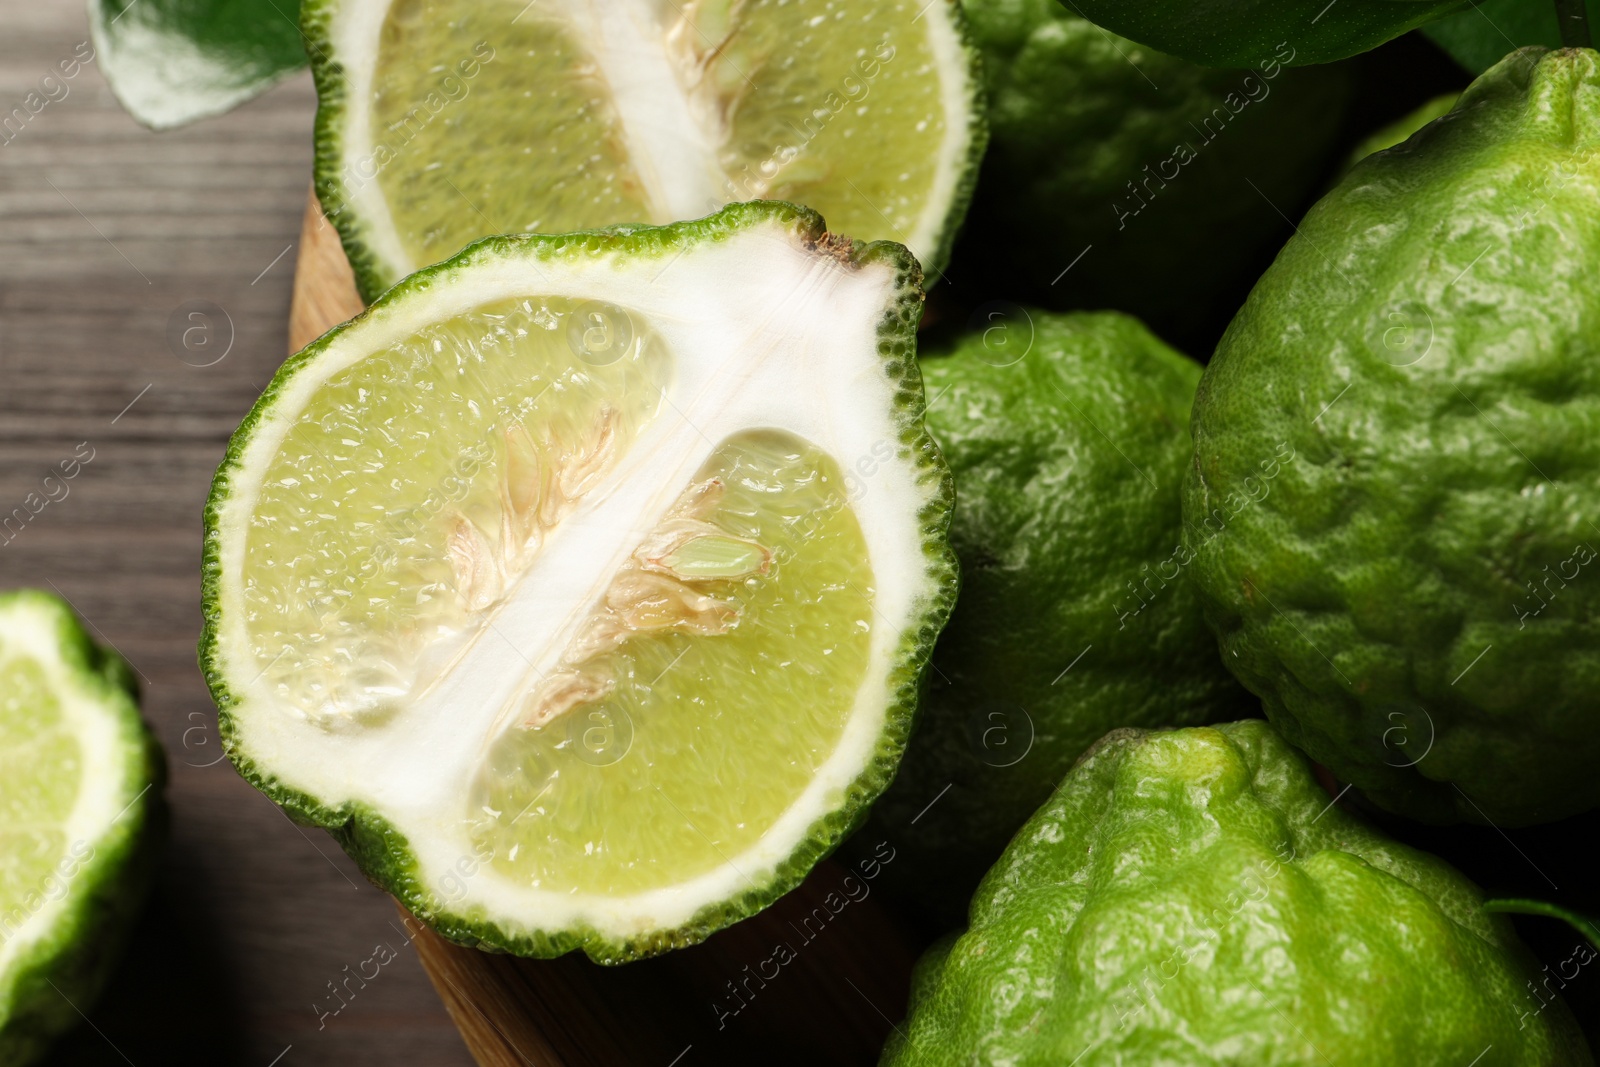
<point>440,123</point>
<point>583,584</point>
<point>80,797</point>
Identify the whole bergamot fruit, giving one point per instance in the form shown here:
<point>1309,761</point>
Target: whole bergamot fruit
<point>1414,596</point>
<point>1157,181</point>
<point>1192,898</point>
<point>1066,436</point>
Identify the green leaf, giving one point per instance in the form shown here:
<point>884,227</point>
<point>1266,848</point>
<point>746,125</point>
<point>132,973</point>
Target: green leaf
<point>174,61</point>
<point>1520,906</point>
<point>1480,37</point>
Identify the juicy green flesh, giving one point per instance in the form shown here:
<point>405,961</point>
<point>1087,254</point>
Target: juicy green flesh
<point>1414,597</point>
<point>1193,899</point>
<point>820,102</point>
<point>1068,461</point>
<point>347,577</point>
<point>1157,166</point>
<point>531,143</point>
<point>40,775</point>
<point>679,769</point>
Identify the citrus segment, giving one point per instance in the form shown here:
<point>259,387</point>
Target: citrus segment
<point>441,123</point>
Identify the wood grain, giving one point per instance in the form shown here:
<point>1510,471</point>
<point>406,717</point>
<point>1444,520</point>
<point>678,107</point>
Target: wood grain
<point>728,1000</point>
<point>324,285</point>
<point>107,230</point>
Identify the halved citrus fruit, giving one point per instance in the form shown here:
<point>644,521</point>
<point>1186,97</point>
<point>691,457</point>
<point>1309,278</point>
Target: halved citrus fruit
<point>582,585</point>
<point>441,123</point>
<point>79,816</point>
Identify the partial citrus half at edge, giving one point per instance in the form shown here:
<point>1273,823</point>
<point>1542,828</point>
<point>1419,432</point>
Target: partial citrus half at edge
<point>442,123</point>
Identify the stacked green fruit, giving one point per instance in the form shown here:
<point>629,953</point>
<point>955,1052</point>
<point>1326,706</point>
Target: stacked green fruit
<point>1067,438</point>
<point>1414,597</point>
<point>1158,182</point>
<point>1193,898</point>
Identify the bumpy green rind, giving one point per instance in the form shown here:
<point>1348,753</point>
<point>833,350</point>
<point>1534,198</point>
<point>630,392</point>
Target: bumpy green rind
<point>373,277</point>
<point>41,993</point>
<point>1412,597</point>
<point>378,848</point>
<point>1235,33</point>
<point>1193,899</point>
<point>1158,182</point>
<point>1066,437</point>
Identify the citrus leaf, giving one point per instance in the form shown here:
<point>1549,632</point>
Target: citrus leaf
<point>1480,37</point>
<point>173,61</point>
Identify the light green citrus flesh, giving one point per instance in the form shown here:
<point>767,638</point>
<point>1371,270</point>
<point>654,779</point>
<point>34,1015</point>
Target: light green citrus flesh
<point>349,581</point>
<point>701,782</point>
<point>507,117</point>
<point>40,774</point>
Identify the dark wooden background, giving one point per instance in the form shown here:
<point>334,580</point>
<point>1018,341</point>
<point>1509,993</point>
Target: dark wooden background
<point>105,229</point>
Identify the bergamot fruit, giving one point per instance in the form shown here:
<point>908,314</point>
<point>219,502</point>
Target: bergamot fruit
<point>582,585</point>
<point>80,789</point>
<point>1192,898</point>
<point>1412,596</point>
<point>1067,438</point>
<point>1156,181</point>
<point>439,123</point>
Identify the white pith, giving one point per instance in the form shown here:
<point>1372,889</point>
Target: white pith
<point>764,333</point>
<point>30,631</point>
<point>671,136</point>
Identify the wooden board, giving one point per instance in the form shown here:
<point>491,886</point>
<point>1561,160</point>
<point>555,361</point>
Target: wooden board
<point>820,977</point>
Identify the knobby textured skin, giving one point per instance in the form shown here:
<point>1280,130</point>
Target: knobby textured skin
<point>1191,899</point>
<point>1233,33</point>
<point>1098,142</point>
<point>65,970</point>
<point>1414,597</point>
<point>1067,463</point>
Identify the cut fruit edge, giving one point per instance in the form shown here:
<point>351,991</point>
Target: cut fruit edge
<point>117,818</point>
<point>342,42</point>
<point>870,298</point>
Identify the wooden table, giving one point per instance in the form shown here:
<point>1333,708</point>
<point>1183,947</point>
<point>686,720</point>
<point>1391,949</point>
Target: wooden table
<point>105,230</point>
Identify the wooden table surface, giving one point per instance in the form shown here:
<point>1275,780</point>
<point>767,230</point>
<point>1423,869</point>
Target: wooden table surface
<point>106,231</point>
